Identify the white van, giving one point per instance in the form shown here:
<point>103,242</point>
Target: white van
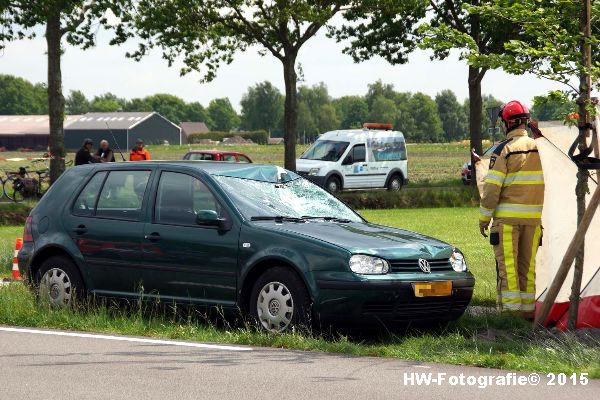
<point>369,158</point>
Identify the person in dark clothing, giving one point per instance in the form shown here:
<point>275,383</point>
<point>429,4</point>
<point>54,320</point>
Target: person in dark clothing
<point>84,154</point>
<point>105,153</point>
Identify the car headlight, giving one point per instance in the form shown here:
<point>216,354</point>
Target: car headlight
<point>368,265</point>
<point>457,260</point>
<point>314,171</point>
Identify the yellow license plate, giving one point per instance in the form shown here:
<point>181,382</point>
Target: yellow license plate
<point>431,289</point>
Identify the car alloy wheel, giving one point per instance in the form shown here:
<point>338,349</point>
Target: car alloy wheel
<point>395,184</point>
<point>56,288</point>
<point>275,307</point>
<point>333,185</point>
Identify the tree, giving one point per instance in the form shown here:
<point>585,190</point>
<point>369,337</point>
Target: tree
<point>383,110</point>
<point>107,102</point>
<point>394,29</point>
<point>552,107</point>
<point>327,118</point>
<point>262,107</point>
<point>196,112</point>
<point>307,126</point>
<point>452,116</point>
<point>207,34</point>
<point>75,20</point>
<point>379,89</point>
<point>427,120</point>
<point>19,96</point>
<point>352,110</point>
<point>77,103</point>
<point>222,114</point>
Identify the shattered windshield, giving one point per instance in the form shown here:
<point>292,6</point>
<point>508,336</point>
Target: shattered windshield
<point>273,191</point>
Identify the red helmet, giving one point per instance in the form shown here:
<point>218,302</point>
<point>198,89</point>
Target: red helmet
<point>513,112</point>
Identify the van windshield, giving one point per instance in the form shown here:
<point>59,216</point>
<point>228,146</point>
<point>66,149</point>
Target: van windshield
<point>325,150</point>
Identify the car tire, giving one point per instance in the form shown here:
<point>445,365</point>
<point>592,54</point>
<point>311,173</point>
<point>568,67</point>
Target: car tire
<point>395,183</point>
<point>333,185</point>
<point>280,301</point>
<point>59,282</point>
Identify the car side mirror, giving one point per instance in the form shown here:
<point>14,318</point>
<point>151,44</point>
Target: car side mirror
<point>209,218</point>
<point>347,161</point>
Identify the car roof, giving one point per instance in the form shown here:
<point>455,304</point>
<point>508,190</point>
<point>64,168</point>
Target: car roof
<point>214,152</point>
<point>210,167</point>
<point>358,134</point>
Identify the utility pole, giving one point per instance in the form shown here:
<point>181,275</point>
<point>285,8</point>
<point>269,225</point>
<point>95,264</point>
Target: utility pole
<point>584,102</point>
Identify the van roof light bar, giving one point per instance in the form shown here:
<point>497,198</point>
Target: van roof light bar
<point>378,126</point>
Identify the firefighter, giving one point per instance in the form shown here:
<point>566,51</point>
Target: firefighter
<point>512,198</point>
<point>139,153</point>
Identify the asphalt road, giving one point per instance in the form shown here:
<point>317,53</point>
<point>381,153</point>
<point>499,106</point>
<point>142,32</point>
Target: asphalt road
<point>37,365</point>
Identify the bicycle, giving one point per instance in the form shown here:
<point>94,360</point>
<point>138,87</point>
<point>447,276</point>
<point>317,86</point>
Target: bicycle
<point>19,186</point>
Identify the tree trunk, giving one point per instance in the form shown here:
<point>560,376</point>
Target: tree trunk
<point>475,105</point>
<point>582,177</point>
<point>290,113</point>
<point>56,101</point>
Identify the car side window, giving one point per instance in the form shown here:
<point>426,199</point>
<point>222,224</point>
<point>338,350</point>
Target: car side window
<point>86,201</point>
<point>358,153</point>
<point>180,197</point>
<point>122,195</point>
<point>229,158</point>
<point>243,159</point>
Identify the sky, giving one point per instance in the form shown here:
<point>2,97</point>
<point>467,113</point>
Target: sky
<point>105,68</point>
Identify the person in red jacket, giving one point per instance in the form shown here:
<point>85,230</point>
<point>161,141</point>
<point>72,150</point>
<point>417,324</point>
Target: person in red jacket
<point>139,153</point>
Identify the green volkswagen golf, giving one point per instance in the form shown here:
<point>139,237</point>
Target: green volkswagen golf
<point>252,237</point>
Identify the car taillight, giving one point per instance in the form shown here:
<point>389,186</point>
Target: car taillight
<point>27,236</point>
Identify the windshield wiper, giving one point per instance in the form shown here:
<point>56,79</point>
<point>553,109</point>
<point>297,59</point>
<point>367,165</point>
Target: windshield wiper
<point>277,218</point>
<point>334,219</point>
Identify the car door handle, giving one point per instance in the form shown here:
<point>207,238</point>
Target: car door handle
<point>365,165</point>
<point>80,230</point>
<point>153,237</point>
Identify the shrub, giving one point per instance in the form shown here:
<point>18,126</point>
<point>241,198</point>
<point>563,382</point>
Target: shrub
<point>259,137</point>
<point>14,213</point>
<point>426,197</point>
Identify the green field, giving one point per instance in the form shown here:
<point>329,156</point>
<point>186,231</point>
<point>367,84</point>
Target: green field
<point>484,340</point>
<point>428,164</point>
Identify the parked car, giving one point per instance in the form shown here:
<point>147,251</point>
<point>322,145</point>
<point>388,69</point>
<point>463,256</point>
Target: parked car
<point>369,158</point>
<point>467,168</point>
<point>217,155</point>
<point>254,237</point>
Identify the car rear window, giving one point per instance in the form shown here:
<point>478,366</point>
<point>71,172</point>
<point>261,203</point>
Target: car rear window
<point>114,194</point>
<point>86,201</point>
<point>200,156</point>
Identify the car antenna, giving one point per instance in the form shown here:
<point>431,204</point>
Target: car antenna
<point>115,140</point>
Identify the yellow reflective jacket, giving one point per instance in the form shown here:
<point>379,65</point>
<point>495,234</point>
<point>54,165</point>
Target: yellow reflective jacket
<point>513,190</point>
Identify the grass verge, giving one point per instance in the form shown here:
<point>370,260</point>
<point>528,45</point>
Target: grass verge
<point>486,341</point>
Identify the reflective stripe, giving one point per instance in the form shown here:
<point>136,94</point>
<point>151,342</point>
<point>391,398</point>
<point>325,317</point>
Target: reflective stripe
<point>531,271</point>
<point>527,295</point>
<point>485,214</point>
<point>508,210</point>
<point>527,307</point>
<point>495,178</point>
<point>524,178</point>
<point>509,258</point>
<point>510,295</point>
<point>515,307</point>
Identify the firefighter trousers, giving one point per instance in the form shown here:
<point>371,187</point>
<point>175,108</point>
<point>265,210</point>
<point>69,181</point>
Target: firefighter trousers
<point>515,248</point>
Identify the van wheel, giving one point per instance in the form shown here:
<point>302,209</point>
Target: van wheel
<point>395,183</point>
<point>333,185</point>
<point>59,282</point>
<point>280,301</point>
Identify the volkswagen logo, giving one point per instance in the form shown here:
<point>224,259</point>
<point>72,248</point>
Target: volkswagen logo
<point>424,265</point>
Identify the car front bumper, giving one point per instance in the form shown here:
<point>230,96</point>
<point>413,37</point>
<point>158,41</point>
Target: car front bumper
<point>390,301</point>
<point>317,180</point>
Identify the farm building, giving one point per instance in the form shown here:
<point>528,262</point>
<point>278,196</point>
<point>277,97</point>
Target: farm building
<point>122,127</point>
<point>27,131</point>
<point>188,128</point>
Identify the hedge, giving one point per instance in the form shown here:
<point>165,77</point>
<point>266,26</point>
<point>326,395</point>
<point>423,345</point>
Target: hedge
<point>14,213</point>
<point>427,197</point>
<point>258,137</point>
